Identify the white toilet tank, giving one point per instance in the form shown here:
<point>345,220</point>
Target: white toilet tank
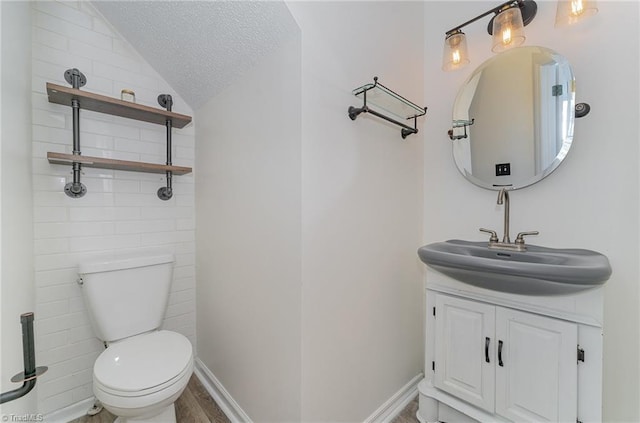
<point>126,296</point>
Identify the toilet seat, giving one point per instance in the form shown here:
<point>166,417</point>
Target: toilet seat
<point>143,364</point>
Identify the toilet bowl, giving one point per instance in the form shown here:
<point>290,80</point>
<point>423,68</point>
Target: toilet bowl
<point>144,369</point>
<point>139,377</point>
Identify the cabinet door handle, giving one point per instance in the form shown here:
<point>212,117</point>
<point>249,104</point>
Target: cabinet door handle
<point>500,363</point>
<point>486,349</point>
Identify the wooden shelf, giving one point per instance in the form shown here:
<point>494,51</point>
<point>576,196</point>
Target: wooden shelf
<point>105,163</point>
<point>77,100</point>
<point>99,103</point>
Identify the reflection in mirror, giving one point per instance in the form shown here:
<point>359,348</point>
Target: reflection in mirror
<point>519,106</point>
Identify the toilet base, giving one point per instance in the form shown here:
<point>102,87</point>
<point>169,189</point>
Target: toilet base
<point>168,415</point>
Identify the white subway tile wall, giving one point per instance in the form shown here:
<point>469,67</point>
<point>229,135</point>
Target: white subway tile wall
<point>120,214</point>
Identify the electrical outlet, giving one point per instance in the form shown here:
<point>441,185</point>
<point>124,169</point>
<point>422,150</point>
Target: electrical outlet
<point>503,169</point>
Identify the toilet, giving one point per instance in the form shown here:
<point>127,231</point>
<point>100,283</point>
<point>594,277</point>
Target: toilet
<point>144,369</point>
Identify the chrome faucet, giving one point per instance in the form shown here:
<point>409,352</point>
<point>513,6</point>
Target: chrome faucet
<point>503,197</point>
<point>518,245</point>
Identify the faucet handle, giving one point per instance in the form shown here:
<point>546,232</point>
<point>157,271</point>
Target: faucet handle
<point>494,235</point>
<point>520,238</point>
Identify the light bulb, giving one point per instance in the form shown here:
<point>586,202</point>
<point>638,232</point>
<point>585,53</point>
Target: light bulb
<point>577,8</point>
<point>506,36</point>
<point>455,59</point>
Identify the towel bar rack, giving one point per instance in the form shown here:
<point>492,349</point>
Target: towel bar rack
<point>388,100</point>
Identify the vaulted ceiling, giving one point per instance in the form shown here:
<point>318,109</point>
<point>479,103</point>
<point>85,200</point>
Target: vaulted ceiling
<point>200,47</point>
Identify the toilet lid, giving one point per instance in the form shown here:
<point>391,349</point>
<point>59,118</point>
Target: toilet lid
<point>143,361</point>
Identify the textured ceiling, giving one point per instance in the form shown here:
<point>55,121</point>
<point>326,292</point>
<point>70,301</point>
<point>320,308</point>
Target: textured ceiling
<point>200,47</point>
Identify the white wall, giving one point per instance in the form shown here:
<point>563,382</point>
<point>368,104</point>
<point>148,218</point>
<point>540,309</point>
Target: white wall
<point>16,286</point>
<point>120,214</point>
<point>309,287</point>
<point>249,235</point>
<point>361,208</point>
<point>591,200</point>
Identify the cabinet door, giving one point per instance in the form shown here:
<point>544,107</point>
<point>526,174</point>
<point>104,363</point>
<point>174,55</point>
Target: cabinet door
<point>536,367</point>
<point>464,350</point>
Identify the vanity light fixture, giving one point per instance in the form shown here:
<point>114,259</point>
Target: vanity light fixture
<point>573,11</point>
<point>506,26</point>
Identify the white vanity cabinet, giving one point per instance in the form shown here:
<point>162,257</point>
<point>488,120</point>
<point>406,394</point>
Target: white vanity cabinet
<point>519,365</point>
<point>499,357</point>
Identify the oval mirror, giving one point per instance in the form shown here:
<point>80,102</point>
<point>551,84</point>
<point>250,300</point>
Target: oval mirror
<point>517,112</point>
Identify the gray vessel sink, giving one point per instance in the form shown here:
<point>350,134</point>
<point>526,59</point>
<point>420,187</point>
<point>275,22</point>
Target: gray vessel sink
<point>536,271</point>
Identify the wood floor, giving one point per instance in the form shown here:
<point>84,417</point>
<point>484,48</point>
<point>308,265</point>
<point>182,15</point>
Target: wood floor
<point>408,415</point>
<point>195,405</point>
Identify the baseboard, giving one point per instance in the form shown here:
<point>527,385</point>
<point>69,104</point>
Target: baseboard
<point>219,394</point>
<point>72,412</point>
<point>394,405</point>
<point>385,413</point>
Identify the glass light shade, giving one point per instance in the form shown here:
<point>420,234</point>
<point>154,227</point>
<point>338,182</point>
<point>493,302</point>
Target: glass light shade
<point>508,30</point>
<point>572,11</point>
<point>455,54</point>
